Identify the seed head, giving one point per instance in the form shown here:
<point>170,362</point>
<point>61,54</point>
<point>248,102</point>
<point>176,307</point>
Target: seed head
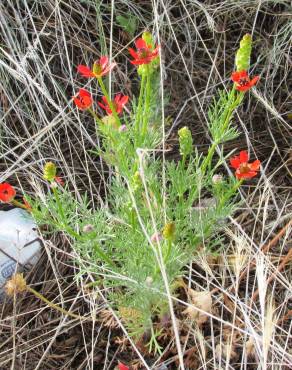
<point>16,284</point>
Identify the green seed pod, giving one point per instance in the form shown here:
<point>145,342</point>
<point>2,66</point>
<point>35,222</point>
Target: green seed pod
<point>169,231</point>
<point>147,37</point>
<point>136,181</point>
<point>185,141</point>
<point>50,171</point>
<point>242,58</point>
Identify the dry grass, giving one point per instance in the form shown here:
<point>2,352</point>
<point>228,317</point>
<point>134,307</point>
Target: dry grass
<point>249,326</point>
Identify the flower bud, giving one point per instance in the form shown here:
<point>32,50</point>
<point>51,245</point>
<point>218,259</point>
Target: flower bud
<point>16,284</point>
<point>242,58</point>
<point>156,237</point>
<point>185,141</point>
<point>149,280</point>
<point>123,128</point>
<point>217,179</point>
<point>88,228</point>
<point>50,171</point>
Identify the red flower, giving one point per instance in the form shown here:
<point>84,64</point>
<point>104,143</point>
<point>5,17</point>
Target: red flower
<point>100,68</point>
<point>242,80</point>
<point>83,99</point>
<point>122,366</point>
<point>119,102</point>
<point>244,170</point>
<point>7,192</point>
<point>144,53</point>
<point>59,180</point>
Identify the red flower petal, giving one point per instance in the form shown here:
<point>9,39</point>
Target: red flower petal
<point>254,81</point>
<point>138,62</point>
<point>103,61</point>
<point>141,44</point>
<point>247,175</point>
<point>83,93</point>
<point>7,192</point>
<point>242,88</point>
<point>85,71</point>
<point>236,76</point>
<point>108,69</point>
<point>123,367</point>
<point>243,156</point>
<point>105,107</point>
<point>59,180</point>
<point>254,166</point>
<point>83,99</point>
<point>124,100</point>
<point>235,162</point>
<point>133,53</point>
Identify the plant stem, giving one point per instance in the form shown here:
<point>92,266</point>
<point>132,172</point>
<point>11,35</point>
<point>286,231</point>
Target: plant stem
<point>147,103</point>
<point>95,116</point>
<point>16,203</point>
<point>110,103</point>
<point>140,104</point>
<point>53,305</point>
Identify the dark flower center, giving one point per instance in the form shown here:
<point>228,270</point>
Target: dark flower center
<point>244,168</point>
<point>243,81</point>
<point>144,53</point>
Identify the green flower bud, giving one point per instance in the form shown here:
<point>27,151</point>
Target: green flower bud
<point>242,58</point>
<point>50,171</point>
<point>185,141</point>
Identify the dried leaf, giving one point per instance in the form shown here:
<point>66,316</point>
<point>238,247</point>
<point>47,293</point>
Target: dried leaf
<point>201,300</point>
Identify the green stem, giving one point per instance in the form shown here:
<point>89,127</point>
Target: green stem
<point>53,305</point>
<point>140,105</point>
<point>231,192</point>
<point>95,116</point>
<point>147,103</point>
<point>169,244</point>
<point>110,103</point>
<point>16,203</point>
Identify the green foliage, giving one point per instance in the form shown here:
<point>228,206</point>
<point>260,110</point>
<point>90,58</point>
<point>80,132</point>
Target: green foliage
<point>179,201</point>
<point>128,22</point>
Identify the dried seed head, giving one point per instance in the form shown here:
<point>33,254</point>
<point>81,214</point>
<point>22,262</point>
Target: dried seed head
<point>201,300</point>
<point>16,284</point>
